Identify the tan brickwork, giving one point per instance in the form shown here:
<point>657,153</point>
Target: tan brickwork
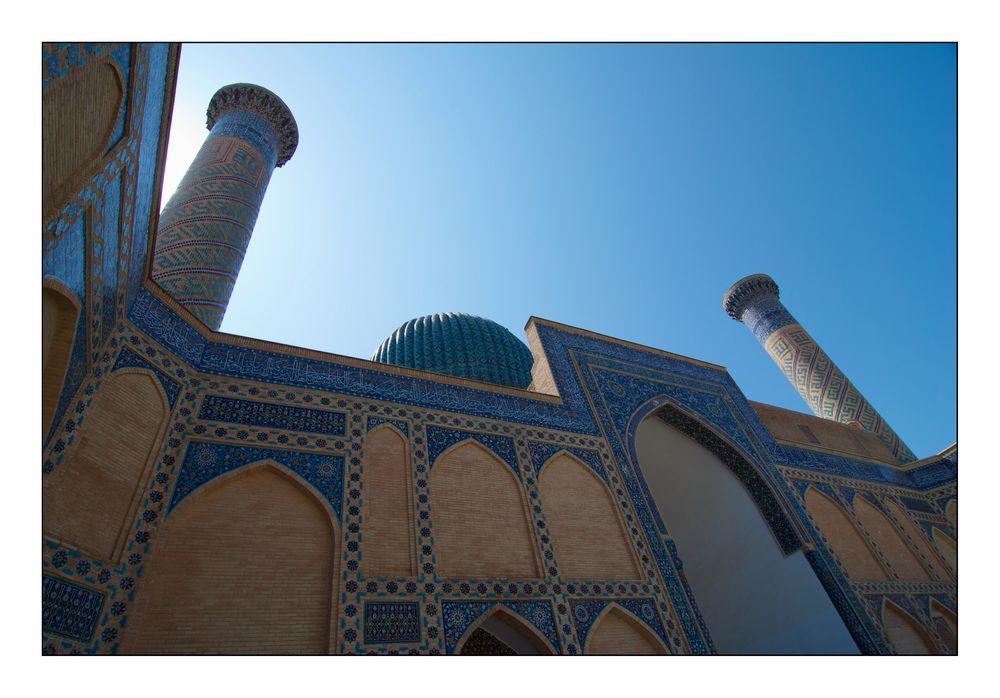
<point>387,512</point>
<point>244,567</point>
<point>59,317</point>
<point>951,513</point>
<point>856,558</point>
<point>946,625</point>
<point>905,634</point>
<point>947,548</point>
<point>90,500</point>
<point>481,525</point>
<point>931,558</point>
<point>586,531</point>
<point>889,541</point>
<point>78,118</point>
<point>618,633</point>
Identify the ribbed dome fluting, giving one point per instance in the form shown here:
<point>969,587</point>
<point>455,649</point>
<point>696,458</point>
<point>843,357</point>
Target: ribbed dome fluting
<point>462,345</point>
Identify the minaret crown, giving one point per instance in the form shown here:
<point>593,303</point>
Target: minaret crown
<point>266,104</point>
<point>744,292</point>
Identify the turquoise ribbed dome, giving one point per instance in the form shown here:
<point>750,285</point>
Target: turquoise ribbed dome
<point>462,345</point>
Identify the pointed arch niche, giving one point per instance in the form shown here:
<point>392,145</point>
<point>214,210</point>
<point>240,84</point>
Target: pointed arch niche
<point>905,633</point>
<point>502,632</point>
<point>60,312</point>
<point>245,565</point>
<point>856,558</point>
<point>387,510</point>
<point>90,500</point>
<point>892,544</point>
<point>946,625</point>
<point>617,632</point>
<point>586,530</point>
<point>754,599</point>
<point>479,516</point>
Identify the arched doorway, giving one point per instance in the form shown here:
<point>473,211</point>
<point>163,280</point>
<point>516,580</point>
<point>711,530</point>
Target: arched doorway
<point>754,599</point>
<point>503,633</point>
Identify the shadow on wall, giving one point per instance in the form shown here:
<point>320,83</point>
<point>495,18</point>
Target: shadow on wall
<point>754,599</point>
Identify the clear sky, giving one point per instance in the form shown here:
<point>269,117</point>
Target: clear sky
<point>617,188</point>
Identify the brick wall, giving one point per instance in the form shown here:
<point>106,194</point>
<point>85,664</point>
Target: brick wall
<point>855,557</point>
<point>244,567</point>
<point>480,522</point>
<point>91,499</point>
<point>586,531</point>
<point>59,317</point>
<point>893,547</point>
<point>617,633</point>
<point>387,512</point>
<point>904,633</point>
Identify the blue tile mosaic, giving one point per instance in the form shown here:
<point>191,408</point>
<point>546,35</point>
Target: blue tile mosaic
<point>542,452</point>
<point>276,416</point>
<point>108,260</point>
<point>129,359</point>
<point>392,621</point>
<point>205,461</point>
<point>70,610</point>
<point>151,94</point>
<point>398,423</point>
<point>67,259</point>
<point>585,613</point>
<point>917,505</point>
<point>122,56</point>
<point>460,615</point>
<point>440,439</point>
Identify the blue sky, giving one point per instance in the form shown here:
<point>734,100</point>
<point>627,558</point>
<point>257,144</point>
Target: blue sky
<point>617,188</point>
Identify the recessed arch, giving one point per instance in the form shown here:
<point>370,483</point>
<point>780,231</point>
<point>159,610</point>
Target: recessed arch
<point>754,598</point>
<point>946,625</point>
<point>258,532</point>
<point>929,557</point>
<point>948,548</point>
<point>508,628</point>
<point>60,315</point>
<point>951,512</point>
<point>90,501</point>
<point>733,457</point>
<point>387,508</point>
<point>882,530</point>
<point>479,516</point>
<point>856,558</point>
<point>904,633</point>
<point>617,631</point>
<point>584,524</point>
<point>78,121</point>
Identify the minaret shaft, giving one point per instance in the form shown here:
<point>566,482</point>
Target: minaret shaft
<point>828,392</point>
<point>205,228</point>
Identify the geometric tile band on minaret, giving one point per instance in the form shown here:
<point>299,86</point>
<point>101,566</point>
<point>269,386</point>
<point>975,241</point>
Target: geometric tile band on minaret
<point>753,300</point>
<point>205,228</point>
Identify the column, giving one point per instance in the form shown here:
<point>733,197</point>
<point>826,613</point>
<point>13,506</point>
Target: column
<point>754,301</point>
<point>205,228</point>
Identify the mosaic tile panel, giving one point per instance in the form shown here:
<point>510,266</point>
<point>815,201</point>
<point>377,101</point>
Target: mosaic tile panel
<point>541,452</point>
<point>917,505</point>
<point>205,461</point>
<point>392,621</point>
<point>277,416</point>
<point>460,615</point>
<point>373,422</point>
<point>586,612</point>
<point>129,359</point>
<point>69,609</point>
<point>440,439</point>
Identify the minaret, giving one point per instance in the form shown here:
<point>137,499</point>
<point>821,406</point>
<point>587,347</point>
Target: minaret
<point>206,226</point>
<point>753,301</point>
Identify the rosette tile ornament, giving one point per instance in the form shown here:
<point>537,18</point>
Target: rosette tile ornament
<point>754,301</point>
<point>205,228</point>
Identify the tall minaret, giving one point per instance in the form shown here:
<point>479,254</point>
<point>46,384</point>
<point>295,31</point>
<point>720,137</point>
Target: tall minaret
<point>753,301</point>
<point>206,226</point>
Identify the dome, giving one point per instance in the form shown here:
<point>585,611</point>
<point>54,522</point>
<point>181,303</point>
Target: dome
<point>458,344</point>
